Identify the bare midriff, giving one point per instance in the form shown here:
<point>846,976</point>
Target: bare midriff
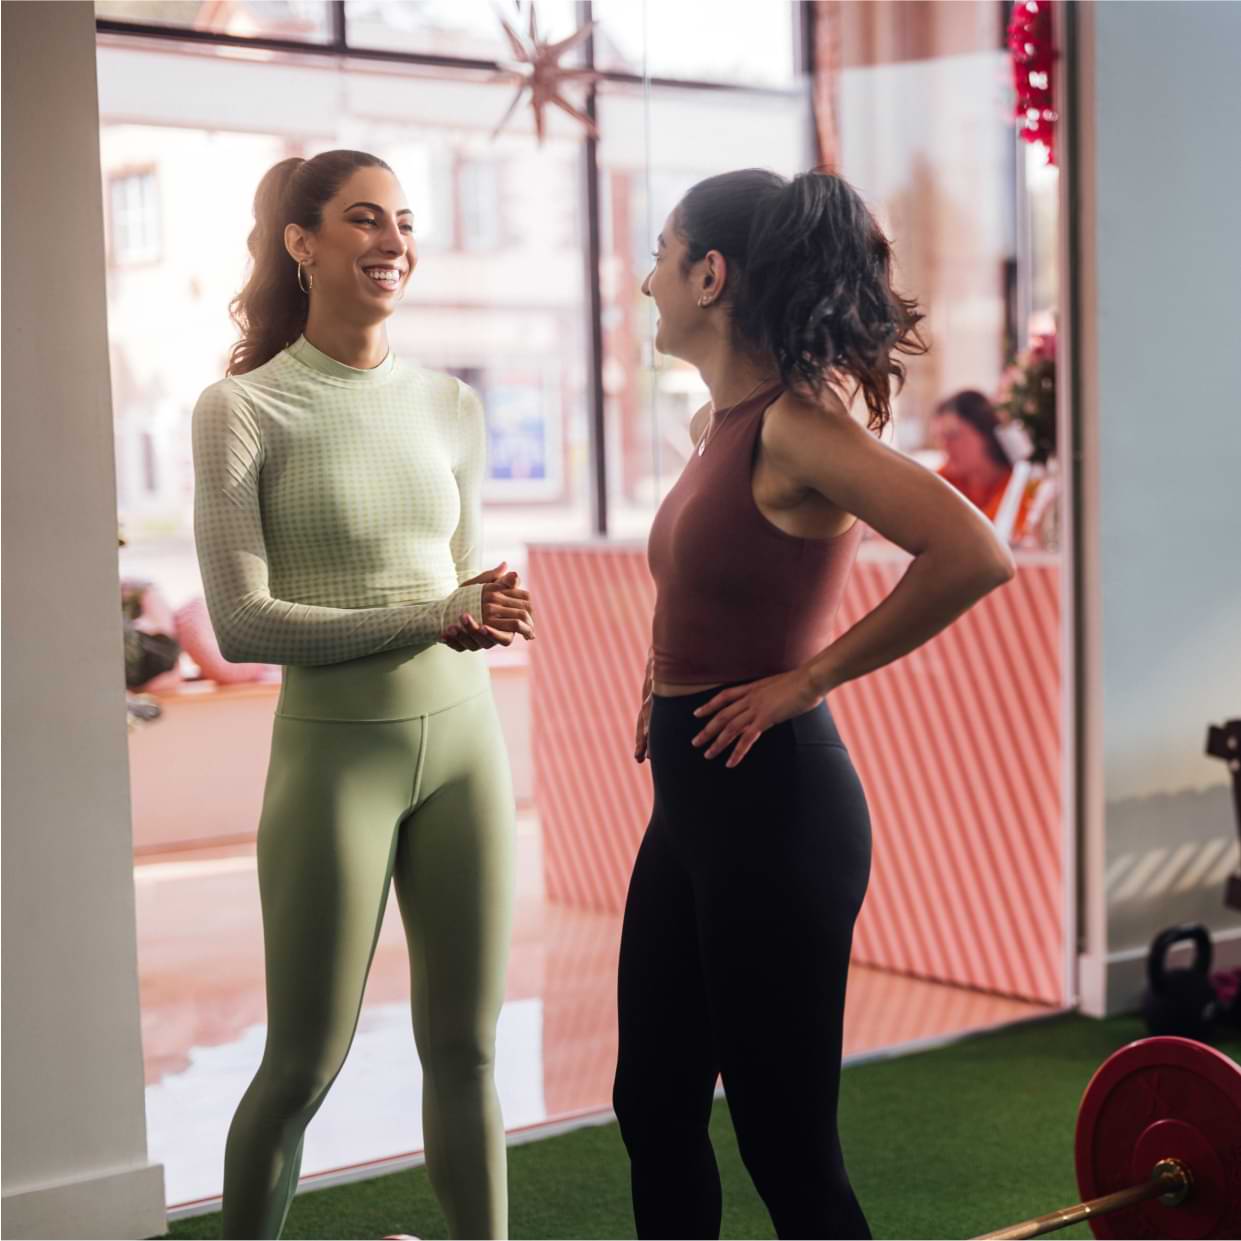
<point>662,690</point>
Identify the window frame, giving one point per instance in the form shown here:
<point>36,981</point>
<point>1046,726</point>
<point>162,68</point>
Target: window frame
<point>118,259</point>
<point>340,49</point>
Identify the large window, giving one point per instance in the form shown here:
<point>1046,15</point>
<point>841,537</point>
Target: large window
<point>506,229</point>
<point>499,294</point>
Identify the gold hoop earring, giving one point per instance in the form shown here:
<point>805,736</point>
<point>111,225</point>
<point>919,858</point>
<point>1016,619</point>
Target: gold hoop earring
<point>300,285</point>
<point>702,301</point>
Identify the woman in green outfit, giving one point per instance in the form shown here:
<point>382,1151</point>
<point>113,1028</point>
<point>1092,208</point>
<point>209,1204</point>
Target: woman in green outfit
<point>338,530</point>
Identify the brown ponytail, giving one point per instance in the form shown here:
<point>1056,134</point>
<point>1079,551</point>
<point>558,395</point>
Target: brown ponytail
<point>815,280</point>
<point>270,311</point>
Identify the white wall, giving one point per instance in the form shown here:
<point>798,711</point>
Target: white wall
<point>74,1129</point>
<point>1161,251</point>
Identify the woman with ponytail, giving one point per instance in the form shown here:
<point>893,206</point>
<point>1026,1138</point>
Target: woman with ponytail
<point>738,925</point>
<point>337,518</point>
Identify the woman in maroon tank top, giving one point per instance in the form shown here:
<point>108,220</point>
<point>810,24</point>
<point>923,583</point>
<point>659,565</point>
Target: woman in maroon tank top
<point>739,919</point>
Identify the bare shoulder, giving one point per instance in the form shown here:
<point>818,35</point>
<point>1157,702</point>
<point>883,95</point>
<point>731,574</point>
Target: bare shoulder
<point>818,445</point>
<point>698,423</point>
<point>798,426</point>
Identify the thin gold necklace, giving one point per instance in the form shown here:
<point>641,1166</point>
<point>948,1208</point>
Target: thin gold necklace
<point>702,444</point>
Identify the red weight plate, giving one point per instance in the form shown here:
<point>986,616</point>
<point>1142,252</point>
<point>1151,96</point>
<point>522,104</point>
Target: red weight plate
<point>1164,1098</point>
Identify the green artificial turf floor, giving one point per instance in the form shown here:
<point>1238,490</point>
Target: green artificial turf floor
<point>949,1142</point>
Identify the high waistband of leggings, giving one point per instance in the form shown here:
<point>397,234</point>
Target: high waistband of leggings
<point>392,685</point>
<point>676,715</point>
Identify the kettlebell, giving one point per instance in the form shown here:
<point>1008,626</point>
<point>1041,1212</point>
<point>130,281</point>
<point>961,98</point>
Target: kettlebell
<point>1180,1001</point>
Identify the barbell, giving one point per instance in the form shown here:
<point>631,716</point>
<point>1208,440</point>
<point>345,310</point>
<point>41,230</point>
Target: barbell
<point>1158,1147</point>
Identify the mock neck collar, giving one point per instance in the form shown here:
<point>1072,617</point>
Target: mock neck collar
<point>317,360</point>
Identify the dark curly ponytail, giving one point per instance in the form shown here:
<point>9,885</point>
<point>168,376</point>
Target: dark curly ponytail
<point>270,311</point>
<point>815,279</point>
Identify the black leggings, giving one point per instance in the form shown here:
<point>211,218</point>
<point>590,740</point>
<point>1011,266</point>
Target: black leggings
<point>733,962</point>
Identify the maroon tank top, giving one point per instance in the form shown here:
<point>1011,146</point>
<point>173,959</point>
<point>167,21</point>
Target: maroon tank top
<point>737,598</point>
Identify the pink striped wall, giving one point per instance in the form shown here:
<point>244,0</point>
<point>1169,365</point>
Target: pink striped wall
<point>958,746</point>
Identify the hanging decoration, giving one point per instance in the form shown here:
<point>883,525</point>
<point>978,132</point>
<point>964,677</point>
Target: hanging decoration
<point>538,69</point>
<point>1034,56</point>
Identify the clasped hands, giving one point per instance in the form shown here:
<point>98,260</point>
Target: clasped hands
<point>506,612</point>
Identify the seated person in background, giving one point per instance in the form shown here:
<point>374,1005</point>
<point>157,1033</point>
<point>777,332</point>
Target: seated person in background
<point>964,427</point>
<point>198,640</point>
<point>151,652</point>
<point>150,647</point>
<point>155,636</point>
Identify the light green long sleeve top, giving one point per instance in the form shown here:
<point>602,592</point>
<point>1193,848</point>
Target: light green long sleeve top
<point>336,511</point>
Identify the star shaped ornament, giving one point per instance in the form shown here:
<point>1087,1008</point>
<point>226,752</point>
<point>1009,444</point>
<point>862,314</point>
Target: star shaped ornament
<point>538,68</point>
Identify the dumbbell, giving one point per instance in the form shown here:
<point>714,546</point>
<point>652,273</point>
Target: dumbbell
<point>1158,1146</point>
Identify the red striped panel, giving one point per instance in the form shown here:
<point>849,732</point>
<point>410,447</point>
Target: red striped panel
<point>594,607</point>
<point>957,745</point>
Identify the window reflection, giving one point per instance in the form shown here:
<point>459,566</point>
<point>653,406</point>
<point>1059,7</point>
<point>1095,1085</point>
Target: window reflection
<point>700,40</point>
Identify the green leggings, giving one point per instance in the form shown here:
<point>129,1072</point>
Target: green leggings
<point>389,767</point>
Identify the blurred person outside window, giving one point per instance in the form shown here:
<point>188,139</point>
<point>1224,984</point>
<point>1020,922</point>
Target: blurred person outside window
<point>967,430</point>
<point>150,649</point>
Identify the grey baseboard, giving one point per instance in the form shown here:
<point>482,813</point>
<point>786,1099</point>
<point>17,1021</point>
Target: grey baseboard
<point>1113,984</point>
<point>118,1203</point>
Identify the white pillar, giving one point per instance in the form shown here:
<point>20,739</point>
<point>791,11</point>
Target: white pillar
<point>74,1127</point>
<point>1158,328</point>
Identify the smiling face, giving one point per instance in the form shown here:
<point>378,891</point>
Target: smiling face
<point>363,253</point>
<point>676,290</point>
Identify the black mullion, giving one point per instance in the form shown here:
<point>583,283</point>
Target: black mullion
<point>1069,370</point>
<point>804,18</point>
<point>340,41</point>
<point>805,24</point>
<point>597,439</point>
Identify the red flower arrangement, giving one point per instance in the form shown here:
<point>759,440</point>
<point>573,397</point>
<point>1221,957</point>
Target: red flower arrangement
<point>1028,395</point>
<point>1034,56</point>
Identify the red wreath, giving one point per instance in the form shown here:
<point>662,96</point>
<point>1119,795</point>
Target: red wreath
<point>1034,56</point>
